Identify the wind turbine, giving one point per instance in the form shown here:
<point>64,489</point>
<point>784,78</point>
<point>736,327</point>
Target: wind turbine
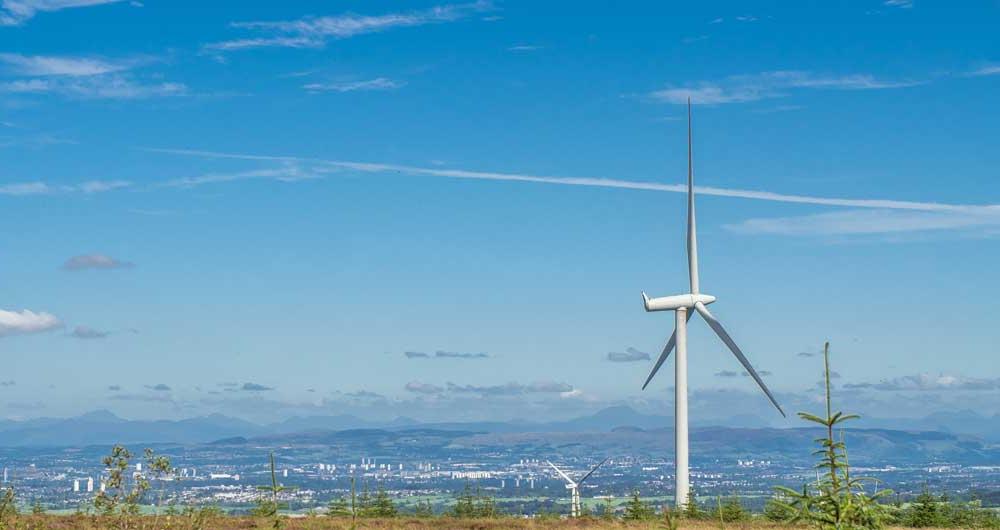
<point>682,306</point>
<point>574,487</point>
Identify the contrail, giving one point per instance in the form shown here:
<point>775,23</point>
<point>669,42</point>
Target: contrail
<point>601,182</point>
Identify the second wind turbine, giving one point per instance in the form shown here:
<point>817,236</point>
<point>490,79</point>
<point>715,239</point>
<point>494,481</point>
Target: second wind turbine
<point>682,306</point>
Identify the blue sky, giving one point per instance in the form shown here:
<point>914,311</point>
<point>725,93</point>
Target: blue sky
<point>259,209</point>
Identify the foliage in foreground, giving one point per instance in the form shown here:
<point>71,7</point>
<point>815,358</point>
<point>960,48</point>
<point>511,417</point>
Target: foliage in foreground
<point>837,501</point>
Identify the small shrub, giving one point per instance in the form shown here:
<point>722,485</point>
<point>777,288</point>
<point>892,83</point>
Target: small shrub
<point>8,506</point>
<point>637,510</point>
<point>840,500</point>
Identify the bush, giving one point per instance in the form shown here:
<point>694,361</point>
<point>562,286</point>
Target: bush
<point>839,501</point>
<point>731,510</point>
<point>637,510</point>
<point>930,511</point>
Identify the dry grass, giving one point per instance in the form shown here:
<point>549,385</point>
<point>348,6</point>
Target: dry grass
<point>78,522</point>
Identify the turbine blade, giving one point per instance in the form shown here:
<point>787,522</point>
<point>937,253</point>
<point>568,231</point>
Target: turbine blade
<point>663,356</point>
<point>692,231</point>
<point>585,477</point>
<point>721,332</point>
<point>564,475</point>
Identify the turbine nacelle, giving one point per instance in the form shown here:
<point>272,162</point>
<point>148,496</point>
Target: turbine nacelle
<point>672,303</point>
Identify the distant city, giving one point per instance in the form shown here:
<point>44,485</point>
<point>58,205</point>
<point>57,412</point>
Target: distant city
<point>423,464</point>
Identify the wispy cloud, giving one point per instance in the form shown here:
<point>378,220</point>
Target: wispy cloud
<point>902,4</point>
<point>109,86</point>
<point>95,261</point>
<point>368,167</point>
<point>315,32</point>
<point>87,333</point>
<point>42,65</point>
<point>100,186</point>
<point>161,387</point>
<point>512,389</point>
<point>255,387</point>
<point>17,12</point>
<point>378,83</point>
<point>459,355</point>
<point>630,355</point>
<point>83,77</point>
<point>144,398</point>
<point>25,188</point>
<point>287,173</point>
<point>524,48</point>
<point>423,388</point>
<point>927,382</point>
<point>42,188</point>
<point>989,69</point>
<point>25,322</point>
<point>879,221</point>
<point>441,354</point>
<point>766,85</point>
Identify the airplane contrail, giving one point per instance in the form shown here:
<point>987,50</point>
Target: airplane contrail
<point>368,167</point>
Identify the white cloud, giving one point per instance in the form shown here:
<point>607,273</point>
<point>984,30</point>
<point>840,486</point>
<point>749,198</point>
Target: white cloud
<point>25,321</point>
<point>765,85</point>
<point>856,222</point>
<point>423,388</point>
<point>902,4</point>
<point>95,261</point>
<point>379,83</point>
<point>289,173</point>
<point>990,69</point>
<point>42,188</point>
<point>25,188</point>
<point>524,48</point>
<point>629,355</point>
<point>314,32</point>
<point>109,86</point>
<point>926,382</point>
<point>83,77</point>
<point>86,332</point>
<point>16,12</point>
<point>100,186</point>
<point>40,65</point>
<point>368,167</point>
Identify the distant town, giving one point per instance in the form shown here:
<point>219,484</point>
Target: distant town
<point>436,467</point>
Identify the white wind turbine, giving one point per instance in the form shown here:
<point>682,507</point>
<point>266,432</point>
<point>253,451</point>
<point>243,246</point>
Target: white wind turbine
<point>574,487</point>
<point>681,305</point>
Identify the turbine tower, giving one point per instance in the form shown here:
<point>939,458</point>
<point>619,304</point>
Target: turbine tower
<point>574,487</point>
<point>683,306</point>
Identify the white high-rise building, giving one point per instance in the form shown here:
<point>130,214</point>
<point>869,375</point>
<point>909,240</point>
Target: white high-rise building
<point>284,473</point>
<point>5,475</point>
<point>76,485</point>
<point>138,467</point>
<point>90,484</point>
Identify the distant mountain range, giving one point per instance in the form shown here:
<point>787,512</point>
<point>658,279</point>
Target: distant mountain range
<point>965,433</point>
